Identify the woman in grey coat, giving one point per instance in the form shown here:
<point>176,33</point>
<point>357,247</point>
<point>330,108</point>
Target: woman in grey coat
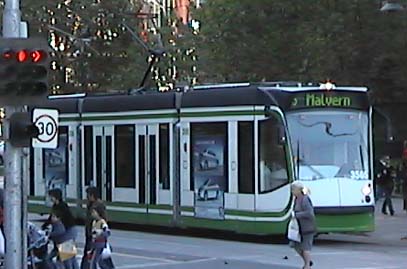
<point>304,212</point>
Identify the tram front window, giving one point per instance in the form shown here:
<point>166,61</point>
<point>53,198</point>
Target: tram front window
<point>329,144</point>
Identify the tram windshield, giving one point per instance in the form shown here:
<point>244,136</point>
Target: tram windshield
<point>329,144</point>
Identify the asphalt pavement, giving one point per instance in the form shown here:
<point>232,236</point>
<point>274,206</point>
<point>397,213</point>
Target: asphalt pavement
<point>381,249</point>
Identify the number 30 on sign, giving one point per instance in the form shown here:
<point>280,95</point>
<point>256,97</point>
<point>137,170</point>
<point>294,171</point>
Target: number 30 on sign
<point>46,121</point>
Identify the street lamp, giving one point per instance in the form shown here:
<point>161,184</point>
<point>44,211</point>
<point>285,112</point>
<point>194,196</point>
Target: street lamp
<point>391,6</point>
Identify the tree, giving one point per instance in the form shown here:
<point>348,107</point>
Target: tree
<point>346,41</point>
<point>92,49</point>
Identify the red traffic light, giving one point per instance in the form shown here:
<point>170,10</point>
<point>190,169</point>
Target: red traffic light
<point>22,56</point>
<point>37,55</point>
<point>7,55</point>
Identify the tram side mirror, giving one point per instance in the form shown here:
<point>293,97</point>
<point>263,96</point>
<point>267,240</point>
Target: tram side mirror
<point>281,133</point>
<point>282,139</point>
<point>383,117</point>
<point>389,133</point>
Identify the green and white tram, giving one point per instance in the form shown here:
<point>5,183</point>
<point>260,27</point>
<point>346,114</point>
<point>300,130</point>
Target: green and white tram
<point>330,131</point>
<point>213,157</point>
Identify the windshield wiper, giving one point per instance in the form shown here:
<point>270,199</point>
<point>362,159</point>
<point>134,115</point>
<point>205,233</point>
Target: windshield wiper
<point>328,126</point>
<point>361,157</point>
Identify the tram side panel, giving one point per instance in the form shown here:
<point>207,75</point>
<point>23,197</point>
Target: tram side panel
<point>211,184</point>
<point>215,192</point>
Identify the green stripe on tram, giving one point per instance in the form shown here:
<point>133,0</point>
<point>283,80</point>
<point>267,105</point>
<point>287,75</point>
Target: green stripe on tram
<point>240,226</point>
<point>249,227</point>
<point>359,222</point>
<point>222,113</point>
<point>165,115</point>
<point>121,117</point>
<point>129,205</point>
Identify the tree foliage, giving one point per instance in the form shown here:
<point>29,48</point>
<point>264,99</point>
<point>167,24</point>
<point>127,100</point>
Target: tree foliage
<point>92,50</point>
<point>349,42</point>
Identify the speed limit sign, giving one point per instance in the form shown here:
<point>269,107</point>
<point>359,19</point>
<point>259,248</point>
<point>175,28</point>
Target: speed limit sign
<point>46,121</point>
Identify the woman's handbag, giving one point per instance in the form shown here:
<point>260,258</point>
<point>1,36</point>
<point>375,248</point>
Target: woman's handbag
<point>106,252</point>
<point>293,232</point>
<point>67,250</point>
<point>2,244</point>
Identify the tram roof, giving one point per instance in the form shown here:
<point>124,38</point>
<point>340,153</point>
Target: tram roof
<point>210,95</point>
<point>313,88</point>
<point>201,96</point>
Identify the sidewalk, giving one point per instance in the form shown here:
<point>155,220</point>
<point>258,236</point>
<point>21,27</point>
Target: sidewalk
<point>388,229</point>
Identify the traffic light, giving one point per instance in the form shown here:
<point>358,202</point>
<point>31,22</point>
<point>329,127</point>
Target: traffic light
<point>22,129</point>
<point>24,66</point>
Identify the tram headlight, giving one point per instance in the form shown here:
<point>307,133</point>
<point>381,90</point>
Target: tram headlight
<point>367,189</point>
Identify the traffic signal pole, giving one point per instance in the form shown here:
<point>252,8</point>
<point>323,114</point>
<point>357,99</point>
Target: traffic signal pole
<point>14,215</point>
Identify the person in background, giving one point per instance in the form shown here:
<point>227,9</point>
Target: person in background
<point>100,233</point>
<point>63,225</point>
<point>2,236</point>
<point>404,154</point>
<point>404,187</point>
<point>93,202</point>
<point>61,210</point>
<point>1,211</point>
<point>403,178</point>
<point>386,184</point>
<point>304,212</point>
<point>59,235</point>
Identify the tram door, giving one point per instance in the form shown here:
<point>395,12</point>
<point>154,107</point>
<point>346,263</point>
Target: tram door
<point>103,156</point>
<point>147,163</point>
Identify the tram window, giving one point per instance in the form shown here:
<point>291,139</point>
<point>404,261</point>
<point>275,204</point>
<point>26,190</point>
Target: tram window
<point>56,161</point>
<point>124,156</point>
<point>164,143</point>
<point>272,157</point>
<point>246,157</point>
<point>209,158</point>
<point>88,155</point>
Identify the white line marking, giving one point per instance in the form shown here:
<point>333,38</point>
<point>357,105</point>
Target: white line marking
<point>381,267</point>
<point>141,257</point>
<point>141,265</point>
<point>336,252</point>
<point>134,256</point>
<point>159,264</point>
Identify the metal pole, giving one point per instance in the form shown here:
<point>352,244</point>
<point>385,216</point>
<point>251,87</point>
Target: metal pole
<point>176,205</point>
<point>12,199</point>
<point>176,188</point>
<point>13,180</point>
<point>25,168</point>
<point>79,189</point>
<point>11,19</point>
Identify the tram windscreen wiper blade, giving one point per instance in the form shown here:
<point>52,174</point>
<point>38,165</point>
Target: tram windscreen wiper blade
<point>328,127</point>
<point>361,157</point>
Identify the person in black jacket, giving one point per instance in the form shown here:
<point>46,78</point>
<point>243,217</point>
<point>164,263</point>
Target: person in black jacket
<point>403,177</point>
<point>61,209</point>
<point>386,184</point>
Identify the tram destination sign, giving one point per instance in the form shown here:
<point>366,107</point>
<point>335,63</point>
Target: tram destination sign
<point>329,99</point>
